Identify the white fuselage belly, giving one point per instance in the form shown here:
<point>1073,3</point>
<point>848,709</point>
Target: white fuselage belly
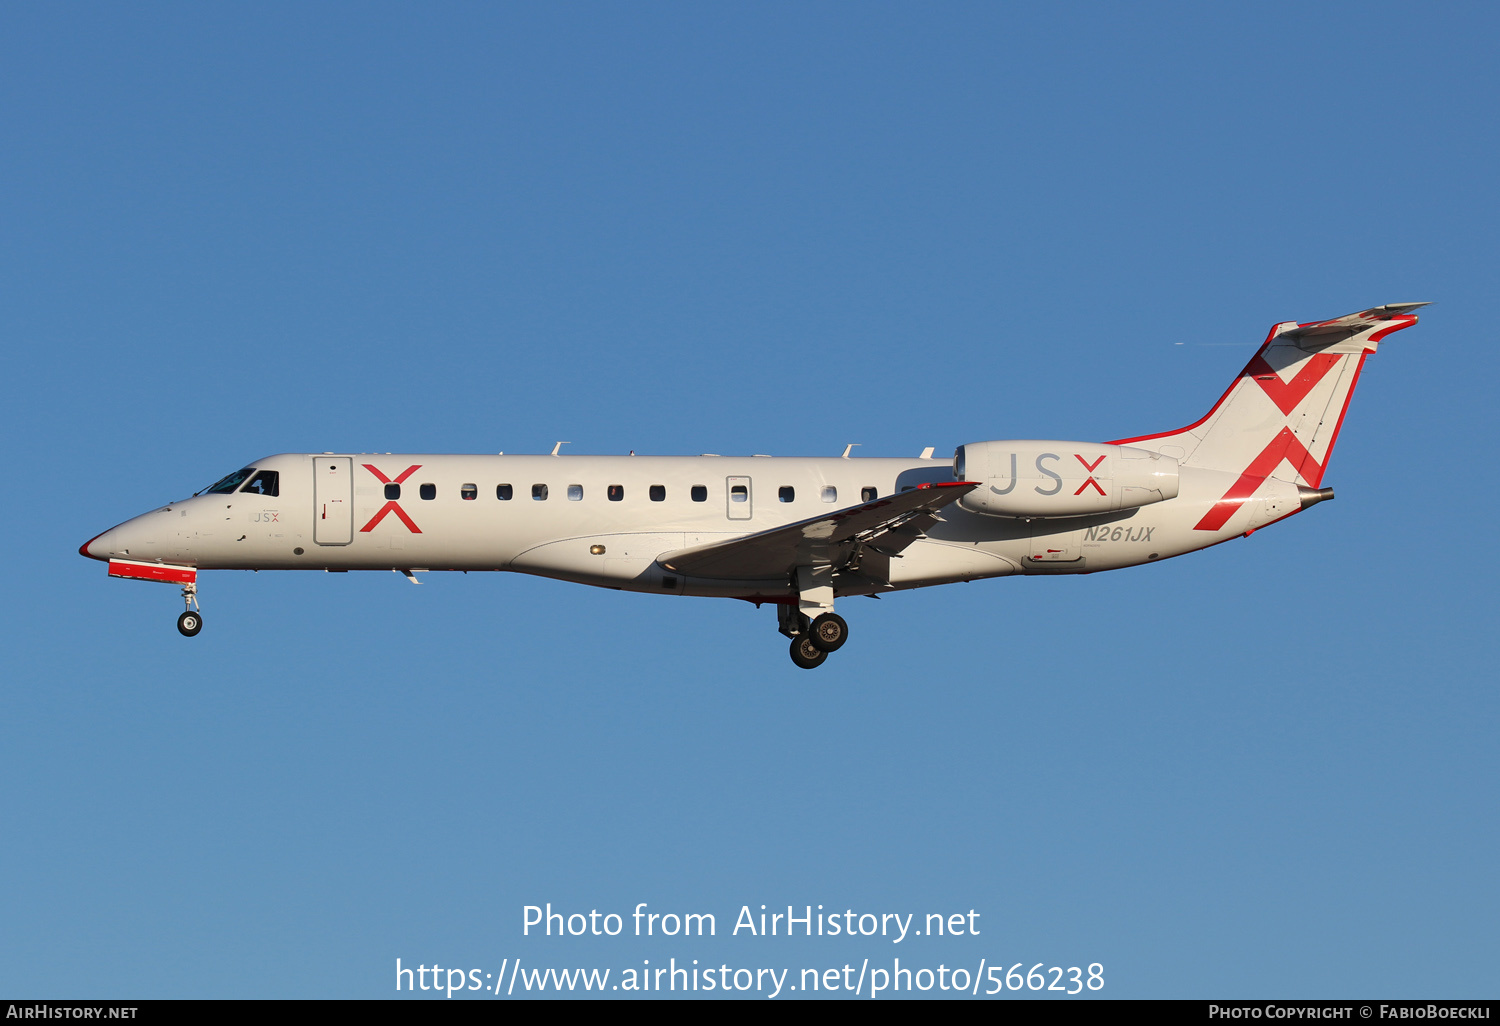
<point>595,540</point>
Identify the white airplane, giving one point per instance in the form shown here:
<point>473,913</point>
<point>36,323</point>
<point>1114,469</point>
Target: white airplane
<point>797,533</point>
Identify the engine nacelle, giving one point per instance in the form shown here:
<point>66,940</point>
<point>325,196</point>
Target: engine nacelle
<point>1061,479</point>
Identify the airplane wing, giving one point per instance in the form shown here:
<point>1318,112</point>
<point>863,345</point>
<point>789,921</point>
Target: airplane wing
<point>863,538</point>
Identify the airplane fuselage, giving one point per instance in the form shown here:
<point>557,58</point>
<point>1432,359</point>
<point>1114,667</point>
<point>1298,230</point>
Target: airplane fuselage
<point>604,520</point>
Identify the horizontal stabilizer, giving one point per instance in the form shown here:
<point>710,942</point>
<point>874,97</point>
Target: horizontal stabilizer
<point>1355,322</point>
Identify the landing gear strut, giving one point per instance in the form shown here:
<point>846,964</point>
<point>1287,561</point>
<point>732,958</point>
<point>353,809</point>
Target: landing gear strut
<point>190,622</point>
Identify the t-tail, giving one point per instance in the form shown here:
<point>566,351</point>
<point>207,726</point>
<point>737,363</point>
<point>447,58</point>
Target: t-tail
<point>1282,414</point>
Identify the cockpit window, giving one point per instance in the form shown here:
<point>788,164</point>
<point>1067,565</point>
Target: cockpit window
<point>267,482</point>
<point>229,483</point>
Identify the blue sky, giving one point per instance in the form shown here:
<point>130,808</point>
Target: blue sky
<point>1264,770</point>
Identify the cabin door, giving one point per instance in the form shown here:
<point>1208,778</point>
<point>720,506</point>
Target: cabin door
<point>333,500</point>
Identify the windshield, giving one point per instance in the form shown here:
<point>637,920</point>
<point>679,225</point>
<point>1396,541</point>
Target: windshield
<point>230,483</point>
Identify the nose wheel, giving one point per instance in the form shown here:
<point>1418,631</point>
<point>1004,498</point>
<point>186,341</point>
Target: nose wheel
<point>190,622</point>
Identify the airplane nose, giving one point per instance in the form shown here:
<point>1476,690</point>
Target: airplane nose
<point>148,536</point>
<point>93,548</point>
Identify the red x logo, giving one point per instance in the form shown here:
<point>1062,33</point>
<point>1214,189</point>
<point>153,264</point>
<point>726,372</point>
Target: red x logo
<point>1285,446</point>
<point>1090,467</point>
<point>392,506</point>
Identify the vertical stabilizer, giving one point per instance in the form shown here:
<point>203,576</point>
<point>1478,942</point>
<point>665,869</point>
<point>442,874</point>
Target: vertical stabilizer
<point>1282,414</point>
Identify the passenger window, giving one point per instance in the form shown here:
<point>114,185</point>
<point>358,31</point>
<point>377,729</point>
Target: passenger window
<point>739,493</point>
<point>700,493</point>
<point>615,492</point>
<point>539,493</point>
<point>504,492</point>
<point>575,492</point>
<point>267,483</point>
<point>830,493</point>
<point>868,495</point>
<point>787,493</point>
<point>429,491</point>
<point>658,493</point>
<point>393,491</point>
<point>468,491</point>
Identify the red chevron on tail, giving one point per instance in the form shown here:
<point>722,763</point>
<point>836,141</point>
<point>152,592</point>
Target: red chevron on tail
<point>1283,447</point>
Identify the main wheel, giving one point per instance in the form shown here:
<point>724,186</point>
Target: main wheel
<point>190,623</point>
<point>805,654</point>
<point>829,632</point>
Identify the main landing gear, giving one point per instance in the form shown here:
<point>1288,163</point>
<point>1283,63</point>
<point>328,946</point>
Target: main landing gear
<point>190,622</point>
<point>813,626</point>
<point>812,639</point>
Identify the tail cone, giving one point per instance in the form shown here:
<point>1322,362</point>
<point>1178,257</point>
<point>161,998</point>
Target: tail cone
<point>1313,496</point>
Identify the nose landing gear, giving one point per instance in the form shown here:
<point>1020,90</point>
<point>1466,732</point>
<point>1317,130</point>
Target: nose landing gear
<point>190,622</point>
